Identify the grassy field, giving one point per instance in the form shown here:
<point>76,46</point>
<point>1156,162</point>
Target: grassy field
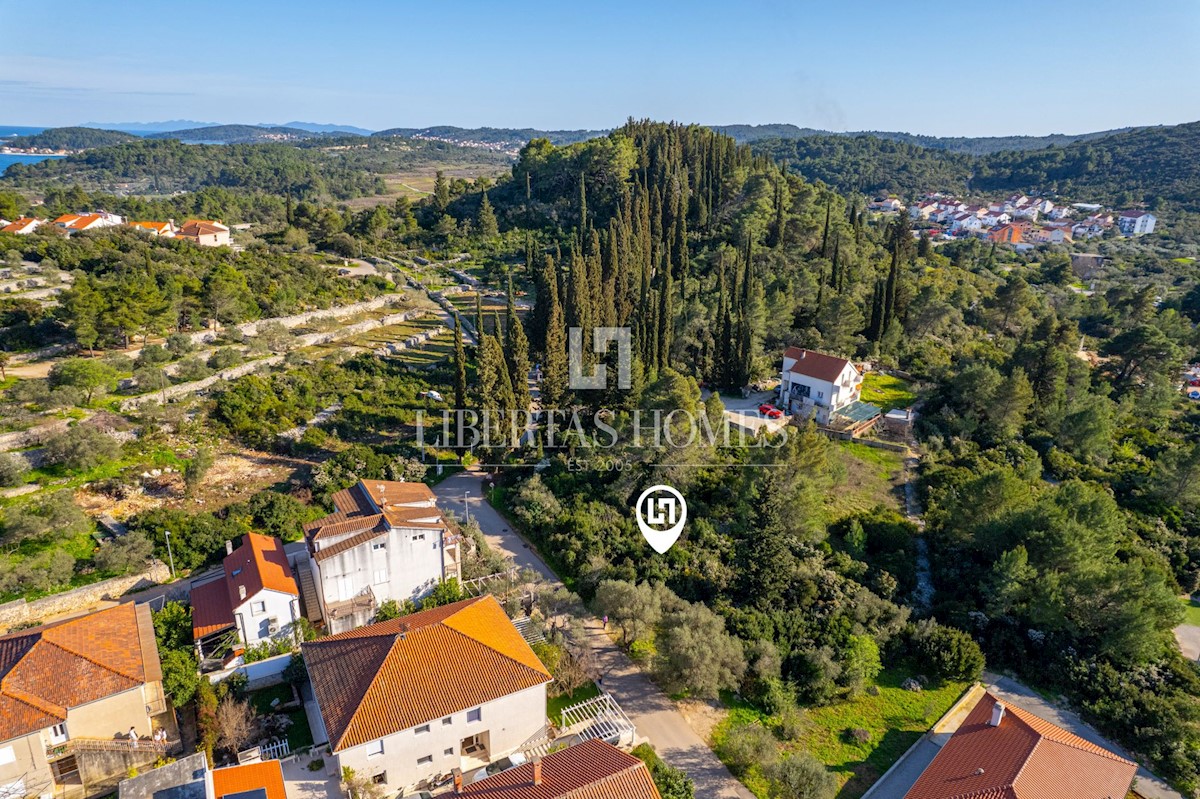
<point>893,720</point>
<point>298,734</point>
<point>868,478</point>
<point>887,391</point>
<point>1191,610</point>
<point>555,705</point>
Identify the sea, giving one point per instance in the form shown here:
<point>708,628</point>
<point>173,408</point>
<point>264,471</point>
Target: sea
<point>8,160</point>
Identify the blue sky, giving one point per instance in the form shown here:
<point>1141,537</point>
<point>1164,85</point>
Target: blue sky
<point>947,69</point>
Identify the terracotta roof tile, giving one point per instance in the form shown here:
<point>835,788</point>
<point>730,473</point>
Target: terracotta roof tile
<point>211,611</point>
<point>393,676</point>
<point>260,562</point>
<point>590,770</point>
<point>46,670</point>
<point>267,775</point>
<point>815,364</point>
<point>1026,757</point>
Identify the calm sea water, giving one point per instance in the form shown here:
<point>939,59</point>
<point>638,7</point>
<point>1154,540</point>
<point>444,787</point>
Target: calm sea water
<point>7,160</point>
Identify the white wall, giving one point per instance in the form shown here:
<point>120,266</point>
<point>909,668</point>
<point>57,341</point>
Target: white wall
<point>510,721</point>
<point>253,624</point>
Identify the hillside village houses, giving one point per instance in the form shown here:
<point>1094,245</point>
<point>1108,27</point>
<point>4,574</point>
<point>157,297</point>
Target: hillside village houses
<point>1038,220</point>
<point>386,540</point>
<point>254,598</point>
<point>453,687</point>
<point>71,694</point>
<point>22,226</point>
<point>204,232</point>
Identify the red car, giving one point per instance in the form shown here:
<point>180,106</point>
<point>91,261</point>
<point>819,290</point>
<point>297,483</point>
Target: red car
<point>770,411</point>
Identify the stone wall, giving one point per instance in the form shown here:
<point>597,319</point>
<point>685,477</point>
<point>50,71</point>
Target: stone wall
<point>20,612</point>
<point>232,373</point>
<point>20,439</point>
<point>295,320</point>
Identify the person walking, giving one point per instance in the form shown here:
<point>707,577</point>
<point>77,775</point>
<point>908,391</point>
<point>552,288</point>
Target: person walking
<point>605,620</point>
<point>133,738</point>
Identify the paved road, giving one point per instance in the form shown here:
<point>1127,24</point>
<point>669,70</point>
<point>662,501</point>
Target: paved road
<point>1188,636</point>
<point>1010,690</point>
<point>654,714</point>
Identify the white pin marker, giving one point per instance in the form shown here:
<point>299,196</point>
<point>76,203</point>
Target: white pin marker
<point>661,514</point>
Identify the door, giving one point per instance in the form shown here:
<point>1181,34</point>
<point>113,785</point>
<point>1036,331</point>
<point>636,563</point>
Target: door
<point>58,734</point>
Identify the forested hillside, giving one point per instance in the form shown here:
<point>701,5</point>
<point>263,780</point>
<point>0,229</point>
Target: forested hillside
<point>956,144</point>
<point>316,168</point>
<point>236,134</point>
<point>70,139</point>
<point>1144,165</point>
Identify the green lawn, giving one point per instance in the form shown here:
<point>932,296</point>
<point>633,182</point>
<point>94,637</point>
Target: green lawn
<point>556,704</point>
<point>298,734</point>
<point>887,391</point>
<point>1191,611</point>
<point>866,478</point>
<point>894,720</point>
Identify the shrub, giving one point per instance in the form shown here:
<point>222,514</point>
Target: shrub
<point>81,448</point>
<point>802,776</point>
<point>153,355</point>
<point>13,469</point>
<point>949,653</point>
<point>747,747</point>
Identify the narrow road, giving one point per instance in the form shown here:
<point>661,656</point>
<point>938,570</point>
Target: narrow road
<point>654,714</point>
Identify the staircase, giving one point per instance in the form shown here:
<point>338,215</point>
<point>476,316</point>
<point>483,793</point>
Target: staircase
<point>531,632</point>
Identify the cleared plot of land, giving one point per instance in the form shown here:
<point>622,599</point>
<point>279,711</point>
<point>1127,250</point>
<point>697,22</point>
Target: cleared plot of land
<point>887,391</point>
<point>418,182</point>
<point>870,477</point>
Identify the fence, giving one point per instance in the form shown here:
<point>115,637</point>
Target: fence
<point>259,674</point>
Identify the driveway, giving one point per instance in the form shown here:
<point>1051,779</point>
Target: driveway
<point>652,712</point>
<point>1012,691</point>
<point>1188,636</point>
<point>743,411</point>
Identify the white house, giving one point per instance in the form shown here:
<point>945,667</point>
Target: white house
<point>994,218</point>
<point>455,687</point>
<point>165,230</point>
<point>387,540</point>
<point>886,204</point>
<point>254,596</point>
<point>80,222</point>
<point>1136,223</point>
<point>816,385</point>
<point>205,232</point>
<point>966,222</point>
<point>23,226</point>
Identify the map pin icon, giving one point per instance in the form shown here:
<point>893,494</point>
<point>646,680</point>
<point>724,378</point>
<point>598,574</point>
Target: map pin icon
<point>661,514</point>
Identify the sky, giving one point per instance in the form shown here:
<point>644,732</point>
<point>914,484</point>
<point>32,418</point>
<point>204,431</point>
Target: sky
<point>966,69</point>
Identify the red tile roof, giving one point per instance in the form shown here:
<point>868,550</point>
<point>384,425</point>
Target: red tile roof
<point>267,775</point>
<point>201,227</point>
<point>259,563</point>
<point>392,676</point>
<point>590,770</point>
<point>371,508</point>
<point>1026,757</point>
<point>18,225</point>
<point>815,364</point>
<point>46,670</point>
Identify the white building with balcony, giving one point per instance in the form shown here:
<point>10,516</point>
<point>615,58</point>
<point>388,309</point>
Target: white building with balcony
<point>815,385</point>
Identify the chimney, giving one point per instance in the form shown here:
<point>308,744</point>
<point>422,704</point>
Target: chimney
<point>997,715</point>
<point>537,770</point>
<point>228,547</point>
<point>458,785</point>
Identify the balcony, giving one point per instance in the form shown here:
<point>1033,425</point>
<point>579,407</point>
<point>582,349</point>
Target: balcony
<point>122,744</point>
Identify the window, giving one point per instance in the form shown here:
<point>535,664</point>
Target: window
<point>378,545</point>
<point>375,748</point>
<point>425,761</point>
<point>381,576</point>
<point>380,778</point>
<point>449,752</point>
<point>446,722</point>
<point>820,395</point>
<point>475,715</point>
<point>7,756</point>
<point>58,733</point>
<point>419,537</point>
<point>258,608</point>
<point>424,728</point>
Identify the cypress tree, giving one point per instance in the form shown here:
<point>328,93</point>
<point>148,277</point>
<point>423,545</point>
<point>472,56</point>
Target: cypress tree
<point>460,366</point>
<point>583,216</point>
<point>825,235</point>
<point>488,228</point>
<point>479,317</point>
<point>666,316</point>
<point>579,301</point>
<point>517,354</point>
<point>441,192</point>
<point>506,397</point>
<point>554,377</point>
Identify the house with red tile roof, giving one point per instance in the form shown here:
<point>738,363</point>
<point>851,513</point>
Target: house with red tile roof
<point>1005,234</point>
<point>590,770</point>
<point>1004,752</point>
<point>454,687</point>
<point>385,540</point>
<point>70,693</point>
<point>164,229</point>
<point>23,226</point>
<point>253,599</point>
<point>76,223</point>
<point>818,386</point>
<point>205,232</point>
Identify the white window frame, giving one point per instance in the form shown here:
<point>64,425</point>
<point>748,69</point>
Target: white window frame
<point>375,748</point>
<point>427,760</point>
<point>422,730</point>
<point>7,755</point>
<point>258,608</point>
<point>475,715</point>
<point>380,577</point>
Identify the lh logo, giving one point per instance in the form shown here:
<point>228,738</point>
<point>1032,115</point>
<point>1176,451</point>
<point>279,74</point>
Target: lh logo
<point>661,515</point>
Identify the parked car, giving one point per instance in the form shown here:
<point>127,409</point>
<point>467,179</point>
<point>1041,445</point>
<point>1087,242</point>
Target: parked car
<point>770,411</point>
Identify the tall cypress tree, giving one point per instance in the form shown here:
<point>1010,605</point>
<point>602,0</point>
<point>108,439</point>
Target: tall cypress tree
<point>666,315</point>
<point>554,376</point>
<point>517,355</point>
<point>479,317</point>
<point>460,366</point>
<point>488,227</point>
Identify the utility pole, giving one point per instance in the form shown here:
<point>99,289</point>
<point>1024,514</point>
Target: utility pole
<point>170,557</point>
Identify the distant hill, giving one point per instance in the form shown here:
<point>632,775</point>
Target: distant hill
<point>748,134</point>
<point>1136,166</point>
<point>506,139</point>
<point>142,128</point>
<point>236,134</point>
<point>70,139</point>
<point>317,127</point>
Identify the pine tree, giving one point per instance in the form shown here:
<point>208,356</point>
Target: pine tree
<point>441,192</point>
<point>488,228</point>
<point>460,366</point>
